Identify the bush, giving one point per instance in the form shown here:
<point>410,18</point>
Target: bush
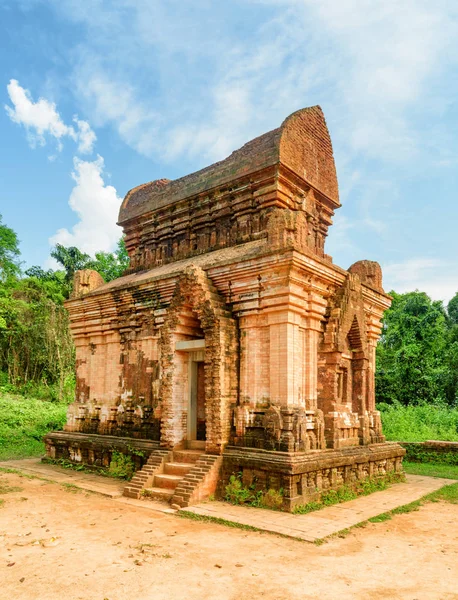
<point>418,423</point>
<point>121,466</point>
<point>237,493</point>
<point>24,422</point>
<point>41,391</point>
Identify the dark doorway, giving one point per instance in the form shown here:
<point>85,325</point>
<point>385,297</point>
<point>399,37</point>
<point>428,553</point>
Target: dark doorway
<point>197,423</point>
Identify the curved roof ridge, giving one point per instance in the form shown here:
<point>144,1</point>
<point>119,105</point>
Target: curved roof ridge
<point>302,143</point>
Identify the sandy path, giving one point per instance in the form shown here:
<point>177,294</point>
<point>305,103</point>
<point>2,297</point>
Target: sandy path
<point>104,550</point>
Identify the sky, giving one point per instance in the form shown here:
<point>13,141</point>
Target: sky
<point>98,96</point>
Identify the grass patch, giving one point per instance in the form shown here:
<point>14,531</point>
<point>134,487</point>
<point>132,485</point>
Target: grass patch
<point>419,423</point>
<point>380,518</point>
<point>345,493</point>
<point>25,475</point>
<point>448,493</point>
<point>186,514</point>
<point>71,488</point>
<point>431,469</point>
<point>8,489</point>
<point>24,422</point>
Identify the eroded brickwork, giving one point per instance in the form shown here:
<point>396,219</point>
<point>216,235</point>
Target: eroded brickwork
<point>229,279</point>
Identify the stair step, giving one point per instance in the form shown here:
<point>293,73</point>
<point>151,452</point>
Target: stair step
<point>196,445</point>
<point>167,481</point>
<point>158,493</point>
<point>186,456</point>
<point>176,468</point>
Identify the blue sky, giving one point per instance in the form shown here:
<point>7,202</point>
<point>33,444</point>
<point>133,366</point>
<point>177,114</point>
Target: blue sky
<point>99,96</point>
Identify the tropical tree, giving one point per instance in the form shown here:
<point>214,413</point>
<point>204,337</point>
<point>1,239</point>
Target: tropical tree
<point>452,309</point>
<point>412,353</point>
<point>72,259</point>
<point>9,253</point>
<point>35,341</point>
<point>112,265</point>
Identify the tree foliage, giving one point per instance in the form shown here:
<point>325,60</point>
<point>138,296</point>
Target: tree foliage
<point>9,253</point>
<point>417,357</point>
<point>35,341</point>
<point>72,260</point>
<point>452,309</point>
<point>110,265</point>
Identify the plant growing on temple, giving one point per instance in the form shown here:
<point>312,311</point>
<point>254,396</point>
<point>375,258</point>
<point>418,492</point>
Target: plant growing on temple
<point>237,493</point>
<point>121,466</point>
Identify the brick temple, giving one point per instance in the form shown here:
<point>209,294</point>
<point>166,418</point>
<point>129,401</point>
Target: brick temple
<point>233,344</point>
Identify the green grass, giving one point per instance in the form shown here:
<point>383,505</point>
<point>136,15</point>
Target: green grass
<point>24,422</point>
<point>186,514</point>
<point>448,493</point>
<point>418,423</point>
<point>431,469</point>
<point>7,489</point>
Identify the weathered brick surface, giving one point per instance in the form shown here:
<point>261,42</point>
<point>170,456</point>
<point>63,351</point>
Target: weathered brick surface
<point>145,476</point>
<point>200,482</point>
<point>96,450</point>
<point>302,477</point>
<point>233,201</point>
<point>232,258</point>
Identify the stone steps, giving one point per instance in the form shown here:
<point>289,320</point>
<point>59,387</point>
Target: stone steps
<point>173,472</point>
<point>177,468</point>
<point>186,456</point>
<point>167,481</point>
<point>158,493</point>
<point>172,476</point>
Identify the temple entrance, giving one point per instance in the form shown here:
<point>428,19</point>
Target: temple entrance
<point>196,411</point>
<point>191,355</point>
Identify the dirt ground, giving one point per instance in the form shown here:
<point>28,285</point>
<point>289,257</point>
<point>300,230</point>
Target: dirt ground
<point>56,543</point>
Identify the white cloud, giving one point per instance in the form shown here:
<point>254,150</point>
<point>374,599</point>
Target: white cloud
<point>439,279</point>
<point>117,104</point>
<point>201,89</point>
<point>41,119</point>
<point>86,137</point>
<point>96,205</point>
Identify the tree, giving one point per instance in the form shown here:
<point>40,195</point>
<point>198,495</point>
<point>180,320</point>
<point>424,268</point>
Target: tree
<point>72,259</point>
<point>451,388</point>
<point>452,309</point>
<point>35,340</point>
<point>112,265</point>
<point>411,356</point>
<point>9,253</point>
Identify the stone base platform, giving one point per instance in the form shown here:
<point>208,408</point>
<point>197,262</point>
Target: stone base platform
<point>303,476</point>
<point>96,450</point>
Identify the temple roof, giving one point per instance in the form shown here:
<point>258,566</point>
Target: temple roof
<point>301,143</point>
